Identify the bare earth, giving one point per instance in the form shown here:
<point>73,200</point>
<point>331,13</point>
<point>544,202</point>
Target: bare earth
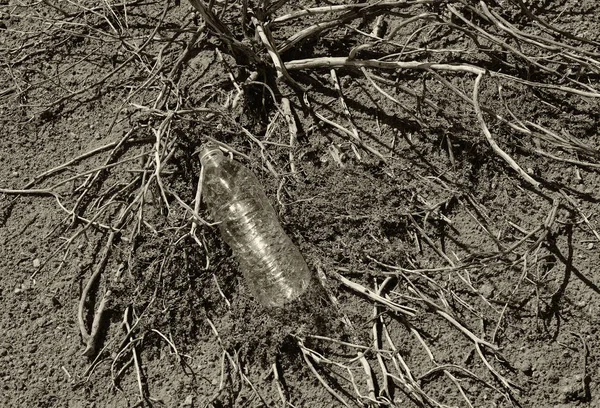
<point>448,210</point>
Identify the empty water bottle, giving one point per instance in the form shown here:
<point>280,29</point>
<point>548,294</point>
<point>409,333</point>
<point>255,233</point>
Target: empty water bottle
<point>272,265</point>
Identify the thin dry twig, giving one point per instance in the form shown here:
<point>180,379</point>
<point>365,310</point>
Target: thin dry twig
<point>493,143</point>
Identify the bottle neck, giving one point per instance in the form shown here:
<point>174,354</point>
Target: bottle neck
<point>210,156</point>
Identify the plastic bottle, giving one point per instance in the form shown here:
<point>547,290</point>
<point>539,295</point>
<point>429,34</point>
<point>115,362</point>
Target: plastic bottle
<point>271,264</point>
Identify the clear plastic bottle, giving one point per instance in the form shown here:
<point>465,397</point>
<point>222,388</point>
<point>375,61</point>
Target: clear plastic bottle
<point>271,264</point>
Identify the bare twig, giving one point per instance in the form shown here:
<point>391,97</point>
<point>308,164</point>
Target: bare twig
<point>493,143</point>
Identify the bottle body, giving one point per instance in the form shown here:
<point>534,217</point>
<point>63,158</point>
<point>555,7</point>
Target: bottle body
<point>272,265</point>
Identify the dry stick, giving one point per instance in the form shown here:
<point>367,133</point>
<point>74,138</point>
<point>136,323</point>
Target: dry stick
<point>306,355</point>
<point>512,292</point>
<point>430,241</point>
<point>50,190</point>
<point>231,77</point>
<point>316,11</point>
<point>566,160</point>
<point>211,20</point>
<point>370,379</point>
<point>138,369</point>
<point>578,209</point>
<point>533,38</point>
<point>320,358</point>
<point>90,348</point>
<point>407,90</point>
<point>491,140</point>
<point>338,88</point>
<point>431,209</point>
<point>415,332</point>
<point>197,201</point>
<point>498,41</point>
<point>438,309</point>
<point>522,125</point>
<point>377,342</point>
<point>584,362</point>
<point>350,134</point>
<point>47,192</point>
<point>233,362</point>
<point>77,159</point>
<point>95,170</point>
<point>87,185</point>
<point>174,72</point>
<point>462,370</point>
<point>476,340</point>
<point>280,388</point>
<point>407,21</point>
<point>406,377</point>
<point>116,376</point>
<point>508,384</point>
<point>344,131</point>
<point>162,129</point>
<point>460,388</point>
<point>565,141</point>
<point>265,37</point>
<point>351,14</point>
<point>447,373</point>
<point>340,62</point>
<point>360,355</point>
<point>123,348</point>
<point>216,25</point>
<point>336,341</point>
<point>391,98</point>
<point>293,131</point>
<point>67,244</point>
<point>121,66</point>
<point>171,344</point>
<point>516,51</point>
<point>484,225</point>
<point>160,161</point>
<point>404,310</point>
<point>262,150</point>
<point>90,338</point>
<point>552,28</point>
<point>101,16</point>
<point>124,343</point>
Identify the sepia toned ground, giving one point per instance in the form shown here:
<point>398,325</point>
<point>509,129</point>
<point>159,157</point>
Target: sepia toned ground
<point>437,164</point>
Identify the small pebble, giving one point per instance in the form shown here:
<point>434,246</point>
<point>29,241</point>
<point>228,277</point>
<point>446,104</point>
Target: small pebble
<point>36,263</point>
<point>56,302</point>
<point>572,388</point>
<point>525,367</point>
<point>590,245</point>
<point>487,290</point>
<point>189,401</point>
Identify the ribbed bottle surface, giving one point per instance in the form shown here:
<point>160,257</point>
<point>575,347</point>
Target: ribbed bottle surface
<point>272,265</point>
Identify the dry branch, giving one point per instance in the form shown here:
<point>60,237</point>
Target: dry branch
<point>493,143</point>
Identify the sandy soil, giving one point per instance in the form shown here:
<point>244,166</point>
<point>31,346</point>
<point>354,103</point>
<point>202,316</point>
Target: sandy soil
<point>482,274</point>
